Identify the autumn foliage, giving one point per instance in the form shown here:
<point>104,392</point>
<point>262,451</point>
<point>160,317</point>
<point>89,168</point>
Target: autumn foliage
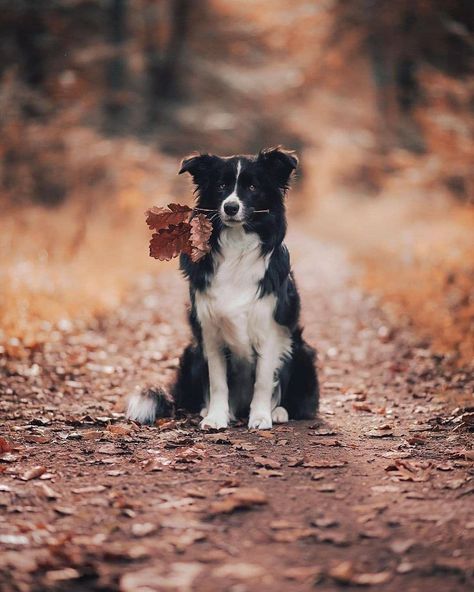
<point>179,229</point>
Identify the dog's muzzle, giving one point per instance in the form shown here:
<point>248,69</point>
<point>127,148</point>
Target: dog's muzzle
<point>232,211</point>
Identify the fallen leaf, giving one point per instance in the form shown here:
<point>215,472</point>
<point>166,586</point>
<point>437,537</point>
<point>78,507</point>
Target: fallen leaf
<point>374,532</point>
<point>360,406</point>
<point>401,546</point>
<point>8,457</point>
<point>188,538</point>
<point>143,529</point>
<point>197,493</point>
<point>385,489</point>
<point>268,473</point>
<point>240,499</point>
<point>380,433</point>
<point>218,439</point>
<point>326,488</point>
<point>295,461</point>
<point>328,442</point>
<point>179,576</point>
<point>268,463</point>
<point>281,525</point>
<point>165,424</point>
<point>64,510</point>
<point>48,492</point>
<point>244,446</point>
<point>5,446</point>
<point>240,571</point>
<point>91,434</point>
<point>33,473</point>
<point>405,470</point>
<point>405,567</point>
<point>14,539</point>
<point>324,464</point>
<point>454,483</point>
<point>89,489</point>
<point>342,572</point>
<point>61,575</point>
<point>108,449</point>
<point>267,434</point>
<point>416,439</point>
<point>345,573</point>
<point>119,429</point>
<point>372,579</point>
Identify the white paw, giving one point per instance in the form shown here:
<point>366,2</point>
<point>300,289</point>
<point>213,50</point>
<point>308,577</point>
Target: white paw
<point>260,421</point>
<point>214,422</point>
<point>280,415</point>
<point>204,412</point>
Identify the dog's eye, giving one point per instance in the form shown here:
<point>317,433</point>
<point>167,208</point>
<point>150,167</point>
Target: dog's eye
<point>252,188</point>
<point>221,187</point>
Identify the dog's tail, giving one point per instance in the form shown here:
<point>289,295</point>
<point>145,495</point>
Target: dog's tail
<point>147,405</point>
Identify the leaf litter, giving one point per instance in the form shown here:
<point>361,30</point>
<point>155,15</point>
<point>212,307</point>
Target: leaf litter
<point>163,505</point>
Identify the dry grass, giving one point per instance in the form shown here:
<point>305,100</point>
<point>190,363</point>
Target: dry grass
<point>65,265</point>
<point>68,265</point>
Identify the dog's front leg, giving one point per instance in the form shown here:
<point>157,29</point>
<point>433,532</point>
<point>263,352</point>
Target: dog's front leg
<point>217,416</point>
<point>261,407</point>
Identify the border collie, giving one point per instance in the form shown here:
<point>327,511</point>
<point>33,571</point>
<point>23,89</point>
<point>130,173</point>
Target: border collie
<point>247,357</point>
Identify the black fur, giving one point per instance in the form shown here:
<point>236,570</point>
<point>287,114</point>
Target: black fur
<point>262,185</point>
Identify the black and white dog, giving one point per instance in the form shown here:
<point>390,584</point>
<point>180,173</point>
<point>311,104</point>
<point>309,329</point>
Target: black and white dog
<point>247,357</point>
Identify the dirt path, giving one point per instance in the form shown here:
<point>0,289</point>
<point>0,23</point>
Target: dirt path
<point>377,492</point>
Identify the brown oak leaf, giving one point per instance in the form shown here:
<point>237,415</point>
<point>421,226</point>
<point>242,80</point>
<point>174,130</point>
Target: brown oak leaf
<point>201,230</point>
<point>178,231</point>
<point>158,218</point>
<point>170,242</point>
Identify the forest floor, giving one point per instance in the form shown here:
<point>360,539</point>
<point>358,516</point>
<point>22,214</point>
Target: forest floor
<point>377,491</point>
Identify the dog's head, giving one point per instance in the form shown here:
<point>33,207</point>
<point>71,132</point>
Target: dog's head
<point>243,190</point>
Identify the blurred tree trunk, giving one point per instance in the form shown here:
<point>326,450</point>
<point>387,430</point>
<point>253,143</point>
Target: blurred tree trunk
<point>164,59</point>
<point>172,59</point>
<point>393,60</point>
<point>116,69</point>
<point>29,32</point>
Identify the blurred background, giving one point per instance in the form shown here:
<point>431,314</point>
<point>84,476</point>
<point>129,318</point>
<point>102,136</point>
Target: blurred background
<point>100,99</point>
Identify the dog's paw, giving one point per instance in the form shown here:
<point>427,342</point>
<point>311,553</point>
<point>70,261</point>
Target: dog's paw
<point>260,421</point>
<point>204,411</point>
<point>280,415</point>
<point>214,422</point>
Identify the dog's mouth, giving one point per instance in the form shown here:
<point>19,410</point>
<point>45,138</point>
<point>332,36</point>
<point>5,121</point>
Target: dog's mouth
<point>232,214</point>
<point>232,220</point>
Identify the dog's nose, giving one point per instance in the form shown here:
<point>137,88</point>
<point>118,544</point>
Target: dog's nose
<point>231,208</point>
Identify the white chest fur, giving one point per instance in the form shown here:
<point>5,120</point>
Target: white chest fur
<point>230,308</point>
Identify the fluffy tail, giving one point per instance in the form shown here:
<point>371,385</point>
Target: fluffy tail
<point>148,405</point>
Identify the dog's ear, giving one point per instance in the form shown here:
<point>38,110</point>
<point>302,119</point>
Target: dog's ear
<point>280,163</point>
<point>199,166</point>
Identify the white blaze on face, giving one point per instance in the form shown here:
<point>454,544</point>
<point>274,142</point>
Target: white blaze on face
<point>233,198</point>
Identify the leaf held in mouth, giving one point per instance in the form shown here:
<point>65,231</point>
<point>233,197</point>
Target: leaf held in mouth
<point>201,230</point>
<point>158,218</point>
<point>178,230</point>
